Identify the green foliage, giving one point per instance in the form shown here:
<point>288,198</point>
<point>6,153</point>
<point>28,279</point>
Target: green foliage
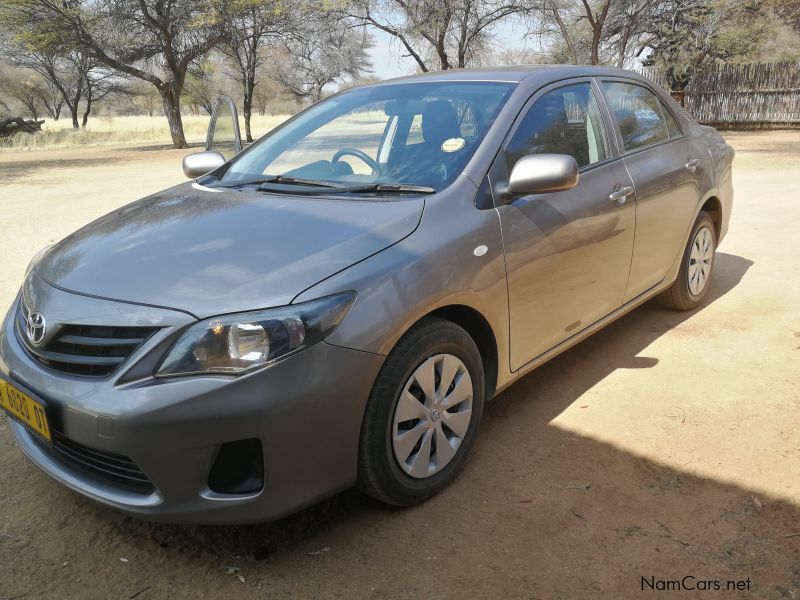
<point>687,33</point>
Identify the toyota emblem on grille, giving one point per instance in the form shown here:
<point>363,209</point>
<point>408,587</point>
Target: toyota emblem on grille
<point>35,328</point>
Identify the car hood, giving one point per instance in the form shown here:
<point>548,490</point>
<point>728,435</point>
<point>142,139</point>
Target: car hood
<point>214,252</point>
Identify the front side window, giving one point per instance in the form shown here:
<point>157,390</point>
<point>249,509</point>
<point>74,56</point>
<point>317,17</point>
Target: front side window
<point>419,134</point>
<point>563,121</point>
<point>642,118</point>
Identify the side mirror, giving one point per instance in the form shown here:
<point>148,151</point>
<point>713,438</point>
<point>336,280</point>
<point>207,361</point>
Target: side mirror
<point>539,173</point>
<point>200,163</point>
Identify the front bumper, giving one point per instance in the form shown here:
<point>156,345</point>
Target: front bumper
<point>305,410</point>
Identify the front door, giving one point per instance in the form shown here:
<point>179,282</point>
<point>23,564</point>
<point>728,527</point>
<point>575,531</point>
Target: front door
<point>568,253</point>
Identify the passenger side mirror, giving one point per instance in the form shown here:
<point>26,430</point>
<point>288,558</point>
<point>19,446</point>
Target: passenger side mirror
<point>200,163</point>
<point>539,173</point>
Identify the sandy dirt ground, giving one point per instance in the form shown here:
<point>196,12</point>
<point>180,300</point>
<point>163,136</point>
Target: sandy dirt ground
<point>667,446</point>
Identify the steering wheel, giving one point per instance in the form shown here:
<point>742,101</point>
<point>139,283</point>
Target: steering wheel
<point>348,151</point>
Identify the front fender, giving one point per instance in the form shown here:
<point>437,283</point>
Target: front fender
<point>434,267</point>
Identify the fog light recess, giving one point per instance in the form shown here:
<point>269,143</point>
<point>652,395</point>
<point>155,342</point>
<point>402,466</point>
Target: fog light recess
<point>238,468</point>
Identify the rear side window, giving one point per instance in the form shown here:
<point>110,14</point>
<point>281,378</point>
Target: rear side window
<point>642,118</point>
<point>563,121</point>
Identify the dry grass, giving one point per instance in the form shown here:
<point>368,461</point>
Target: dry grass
<point>123,130</point>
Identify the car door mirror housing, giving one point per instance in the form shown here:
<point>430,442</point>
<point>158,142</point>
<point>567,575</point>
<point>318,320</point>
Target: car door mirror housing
<point>200,163</point>
<point>540,173</point>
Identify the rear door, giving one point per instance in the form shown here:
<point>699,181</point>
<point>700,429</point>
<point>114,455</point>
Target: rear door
<point>667,168</point>
<point>567,253</point>
<point>223,131</point>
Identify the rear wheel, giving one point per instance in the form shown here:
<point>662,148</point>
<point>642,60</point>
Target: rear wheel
<point>423,414</point>
<point>691,286</point>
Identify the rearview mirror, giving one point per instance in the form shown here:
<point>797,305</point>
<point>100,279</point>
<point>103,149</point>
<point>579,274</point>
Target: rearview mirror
<point>539,173</point>
<point>200,163</point>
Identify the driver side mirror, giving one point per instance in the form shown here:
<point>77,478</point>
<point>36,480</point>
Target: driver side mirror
<point>200,163</point>
<point>540,173</point>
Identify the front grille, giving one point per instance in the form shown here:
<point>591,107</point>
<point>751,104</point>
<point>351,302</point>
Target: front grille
<point>114,469</point>
<point>90,350</point>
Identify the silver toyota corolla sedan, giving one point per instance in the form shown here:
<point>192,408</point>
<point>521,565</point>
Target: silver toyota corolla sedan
<point>334,304</point>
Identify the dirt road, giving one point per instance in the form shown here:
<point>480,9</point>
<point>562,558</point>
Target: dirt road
<point>665,447</point>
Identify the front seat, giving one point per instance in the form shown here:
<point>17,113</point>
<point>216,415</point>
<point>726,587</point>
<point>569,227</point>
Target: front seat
<point>439,123</point>
<point>427,161</point>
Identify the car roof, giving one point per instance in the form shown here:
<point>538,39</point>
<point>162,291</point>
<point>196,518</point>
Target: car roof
<point>512,74</point>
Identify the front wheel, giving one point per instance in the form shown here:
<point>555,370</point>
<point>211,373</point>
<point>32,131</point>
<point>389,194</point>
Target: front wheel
<point>691,286</point>
<point>423,414</point>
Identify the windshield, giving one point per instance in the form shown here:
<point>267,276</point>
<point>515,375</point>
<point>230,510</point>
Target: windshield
<point>413,134</point>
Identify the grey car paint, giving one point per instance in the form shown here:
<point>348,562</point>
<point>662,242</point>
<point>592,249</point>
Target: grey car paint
<point>403,258</point>
<point>210,253</point>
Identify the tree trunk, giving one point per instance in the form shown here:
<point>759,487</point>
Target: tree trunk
<point>86,112</point>
<point>247,107</point>
<point>73,111</point>
<point>596,46</point>
<point>623,45</point>
<point>677,87</point>
<point>171,96</point>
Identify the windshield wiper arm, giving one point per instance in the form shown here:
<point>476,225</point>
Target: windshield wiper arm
<point>380,188</point>
<point>391,188</point>
<point>300,181</point>
<point>276,179</point>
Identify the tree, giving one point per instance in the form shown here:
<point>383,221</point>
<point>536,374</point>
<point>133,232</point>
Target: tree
<point>320,53</point>
<point>682,35</point>
<point>63,69</point>
<point>52,100</point>
<point>152,40</point>
<point>624,25</point>
<point>67,73</point>
<point>596,18</point>
<point>576,28</point>
<point>99,84</point>
<point>144,96</point>
<point>517,56</point>
<point>26,89</point>
<point>251,26</point>
<point>31,90</point>
<point>789,12</point>
<point>203,85</point>
<point>266,90</point>
<point>441,34</point>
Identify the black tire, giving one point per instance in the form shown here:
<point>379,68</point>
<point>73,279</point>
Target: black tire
<point>379,474</point>
<point>679,296</point>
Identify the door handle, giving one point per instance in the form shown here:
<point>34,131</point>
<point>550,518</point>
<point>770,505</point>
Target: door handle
<point>693,163</point>
<point>620,196</point>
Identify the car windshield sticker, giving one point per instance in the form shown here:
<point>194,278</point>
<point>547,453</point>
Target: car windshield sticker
<point>453,144</point>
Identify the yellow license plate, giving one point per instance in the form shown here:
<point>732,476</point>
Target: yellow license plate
<point>24,408</point>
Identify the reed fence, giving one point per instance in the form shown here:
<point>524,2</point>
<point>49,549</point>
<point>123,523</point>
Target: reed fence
<point>754,95</point>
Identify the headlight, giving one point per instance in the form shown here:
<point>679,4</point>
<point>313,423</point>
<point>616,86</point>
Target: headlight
<point>233,344</point>
<point>36,258</point>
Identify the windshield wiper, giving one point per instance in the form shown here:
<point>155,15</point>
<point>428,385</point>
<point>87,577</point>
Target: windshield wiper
<point>391,188</point>
<point>277,179</point>
<point>380,188</point>
<point>300,181</point>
